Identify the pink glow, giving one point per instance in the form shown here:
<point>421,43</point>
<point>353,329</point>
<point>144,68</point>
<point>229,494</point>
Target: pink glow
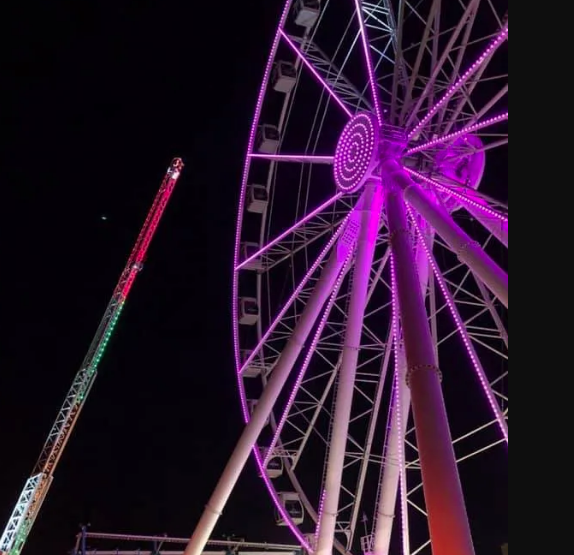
<point>498,414</point>
<point>463,198</point>
<point>237,250</point>
<point>294,296</point>
<point>285,234</point>
<point>453,89</point>
<point>369,61</point>
<point>399,409</point>
<point>139,252</point>
<point>307,361</point>
<point>320,79</point>
<point>469,129</point>
<point>302,159</point>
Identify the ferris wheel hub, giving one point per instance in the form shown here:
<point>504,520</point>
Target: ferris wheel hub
<point>362,147</point>
<point>357,153</point>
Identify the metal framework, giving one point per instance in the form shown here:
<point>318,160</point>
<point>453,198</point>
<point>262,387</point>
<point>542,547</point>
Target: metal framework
<point>36,488</point>
<point>96,543</point>
<point>336,430</point>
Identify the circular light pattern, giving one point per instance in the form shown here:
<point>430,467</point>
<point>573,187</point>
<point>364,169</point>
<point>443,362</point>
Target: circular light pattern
<point>356,154</point>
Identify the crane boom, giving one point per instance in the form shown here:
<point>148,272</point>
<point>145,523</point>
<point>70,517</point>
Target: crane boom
<point>36,488</point>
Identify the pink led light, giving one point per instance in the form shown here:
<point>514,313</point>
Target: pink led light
<point>315,73</point>
<point>288,232</point>
<point>236,255</point>
<point>302,159</point>
<point>399,409</point>
<point>463,198</point>
<point>369,61</point>
<point>469,129</point>
<point>453,89</point>
<point>320,515</point>
<point>463,332</point>
<point>307,361</point>
<point>356,154</point>
<point>292,299</point>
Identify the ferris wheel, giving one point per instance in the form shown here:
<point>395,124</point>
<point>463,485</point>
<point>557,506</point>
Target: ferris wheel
<point>370,276</point>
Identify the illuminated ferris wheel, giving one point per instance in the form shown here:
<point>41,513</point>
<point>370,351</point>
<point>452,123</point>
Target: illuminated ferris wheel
<point>370,283</point>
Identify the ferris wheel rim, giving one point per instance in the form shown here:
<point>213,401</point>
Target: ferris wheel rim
<point>237,260</point>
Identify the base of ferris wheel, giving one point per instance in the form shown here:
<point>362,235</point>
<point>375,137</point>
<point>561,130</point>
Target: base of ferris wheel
<point>99,543</point>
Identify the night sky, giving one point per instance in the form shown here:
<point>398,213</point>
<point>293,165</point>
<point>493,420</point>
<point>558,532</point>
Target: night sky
<point>99,97</point>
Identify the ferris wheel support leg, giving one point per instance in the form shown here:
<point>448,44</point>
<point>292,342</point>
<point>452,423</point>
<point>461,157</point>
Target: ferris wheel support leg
<point>279,376</point>
<point>448,520</point>
<point>370,220</point>
<point>469,252</point>
<point>395,454</point>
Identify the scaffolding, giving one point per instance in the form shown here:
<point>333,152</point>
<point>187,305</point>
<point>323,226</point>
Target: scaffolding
<point>94,543</point>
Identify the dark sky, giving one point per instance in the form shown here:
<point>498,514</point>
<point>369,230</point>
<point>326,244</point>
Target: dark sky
<point>98,99</point>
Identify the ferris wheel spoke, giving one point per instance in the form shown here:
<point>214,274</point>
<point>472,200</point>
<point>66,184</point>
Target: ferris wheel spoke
<point>305,365</point>
<point>369,62</point>
<point>370,217</point>
<point>501,94</point>
<point>461,243</point>
<point>477,304</point>
<point>461,56</point>
<point>500,39</point>
<point>293,229</point>
<point>328,88</point>
<point>393,477</point>
<point>434,13</point>
<point>492,220</point>
<point>467,130</point>
<point>438,69</point>
<point>465,104</point>
<point>481,374</point>
<point>294,158</point>
<point>296,293</point>
<point>334,75</point>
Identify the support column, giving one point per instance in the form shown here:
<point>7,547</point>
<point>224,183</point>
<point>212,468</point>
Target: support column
<point>469,252</point>
<point>370,219</point>
<point>279,376</point>
<point>448,521</point>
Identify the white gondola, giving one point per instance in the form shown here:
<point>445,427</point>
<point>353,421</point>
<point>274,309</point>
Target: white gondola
<point>307,13</point>
<point>248,311</point>
<point>275,466</point>
<point>268,139</point>
<point>284,77</point>
<point>247,251</point>
<point>255,368</point>
<point>293,505</point>
<point>257,199</point>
